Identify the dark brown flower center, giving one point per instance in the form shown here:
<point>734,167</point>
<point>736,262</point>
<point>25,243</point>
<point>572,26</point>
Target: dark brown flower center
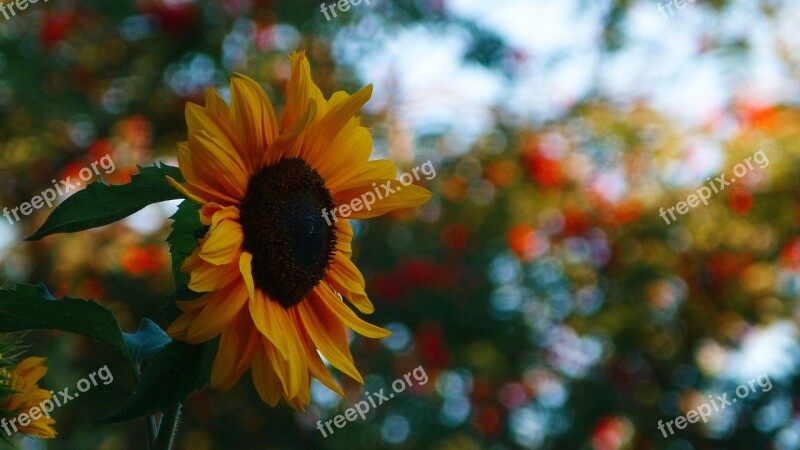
<point>284,229</point>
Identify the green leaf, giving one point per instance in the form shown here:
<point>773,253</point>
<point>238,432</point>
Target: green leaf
<point>10,350</point>
<point>101,204</point>
<point>27,308</point>
<point>169,377</point>
<point>149,339</point>
<point>178,369</point>
<point>186,229</point>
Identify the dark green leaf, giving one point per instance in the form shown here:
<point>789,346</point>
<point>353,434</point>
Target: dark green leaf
<point>101,204</point>
<point>149,339</point>
<point>170,376</point>
<point>26,308</point>
<point>186,229</point>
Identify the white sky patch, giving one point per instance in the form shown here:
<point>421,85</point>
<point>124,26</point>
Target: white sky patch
<point>151,218</point>
<point>671,62</point>
<point>770,349</point>
<point>537,27</point>
<point>431,88</point>
<point>9,236</point>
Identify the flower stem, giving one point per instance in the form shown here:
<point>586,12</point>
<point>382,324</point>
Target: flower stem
<point>152,431</point>
<point>168,429</point>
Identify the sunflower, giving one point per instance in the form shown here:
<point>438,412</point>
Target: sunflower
<point>273,267</point>
<point>25,395</point>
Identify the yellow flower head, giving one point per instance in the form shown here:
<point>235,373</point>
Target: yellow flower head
<point>26,394</point>
<point>273,264</point>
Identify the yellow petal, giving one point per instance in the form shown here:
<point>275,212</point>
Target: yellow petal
<point>341,110</point>
<point>344,237</point>
<point>397,197</point>
<point>207,277</point>
<point>300,92</point>
<point>271,320</point>
<point>237,347</point>
<point>377,172</point>
<point>217,107</point>
<point>200,196</point>
<point>192,305</point>
<point>357,297</point>
<point>278,364</point>
<point>201,120</point>
<point>298,369</point>
<point>315,364</point>
<point>179,329</point>
<point>214,119</point>
<point>246,269</point>
<point>224,243</point>
<point>197,187</point>
<point>303,396</point>
<point>213,213</point>
<point>328,334</point>
<point>214,157</point>
<point>218,313</point>
<point>207,211</point>
<point>290,142</point>
<point>289,370</point>
<point>265,379</point>
<point>297,404</point>
<point>346,315</point>
<point>253,118</point>
<point>215,167</point>
<point>41,428</point>
<point>347,154</point>
<point>347,279</point>
<point>31,369</point>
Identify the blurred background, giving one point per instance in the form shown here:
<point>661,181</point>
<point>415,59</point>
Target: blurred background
<point>550,305</point>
